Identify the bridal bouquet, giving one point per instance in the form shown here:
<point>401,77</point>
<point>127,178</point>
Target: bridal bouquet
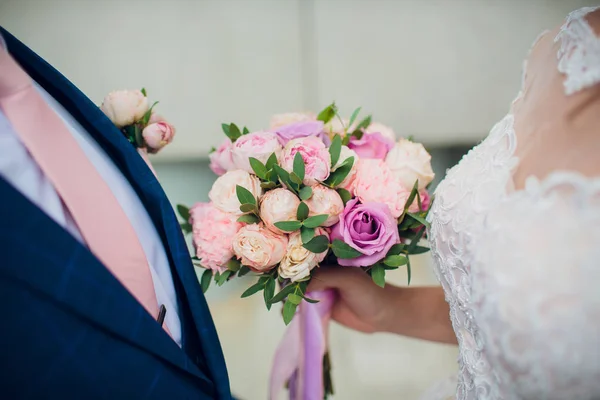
<point>309,190</point>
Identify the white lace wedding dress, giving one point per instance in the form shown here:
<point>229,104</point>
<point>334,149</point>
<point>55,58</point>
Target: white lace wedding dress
<point>516,233</point>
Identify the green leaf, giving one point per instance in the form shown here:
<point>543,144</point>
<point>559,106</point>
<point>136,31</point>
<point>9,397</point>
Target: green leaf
<point>244,195</point>
<point>259,168</point>
<point>249,218</point>
<point>302,211</point>
<point>294,298</point>
<point>420,219</point>
<point>419,250</point>
<point>186,227</point>
<point>248,208</point>
<point>362,125</point>
<point>341,173</point>
<point>225,128</point>
<point>245,131</point>
<point>396,249</point>
<point>244,270</point>
<point>288,226</point>
<point>271,161</point>
<point>413,244</point>
<point>395,261</point>
<point>148,114</point>
<point>313,301</point>
<point>283,293</point>
<point>144,92</point>
<point>284,176</point>
<point>408,269</point>
<point>268,185</point>
<point>307,234</point>
<point>289,310</point>
<point>315,221</point>
<point>234,131</point>
<point>411,197</point>
<point>184,211</point>
<point>353,116</point>
<point>344,251</point>
<point>222,278</point>
<point>335,149</point>
<point>299,168</point>
<point>269,292</point>
<point>205,280</point>
<point>295,179</point>
<point>233,265</point>
<point>328,113</point>
<point>378,275</point>
<point>346,140</point>
<point>345,195</point>
<point>306,193</point>
<point>317,245</point>
<point>257,287</point>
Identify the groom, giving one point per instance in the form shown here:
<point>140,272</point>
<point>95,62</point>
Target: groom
<point>98,297</point>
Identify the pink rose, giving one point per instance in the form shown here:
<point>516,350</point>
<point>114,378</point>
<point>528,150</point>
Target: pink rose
<point>315,155</point>
<point>278,205</point>
<point>325,201</point>
<point>124,107</point>
<point>223,193</point>
<point>375,182</point>
<point>279,120</point>
<point>258,248</point>
<point>369,228</point>
<point>259,145</point>
<point>213,232</point>
<point>410,162</point>
<point>385,131</point>
<point>158,135</point>
<point>221,160</point>
<point>371,145</point>
<point>298,261</point>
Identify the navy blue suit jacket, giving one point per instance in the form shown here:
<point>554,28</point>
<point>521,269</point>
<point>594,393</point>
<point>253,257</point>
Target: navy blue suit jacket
<point>68,328</point>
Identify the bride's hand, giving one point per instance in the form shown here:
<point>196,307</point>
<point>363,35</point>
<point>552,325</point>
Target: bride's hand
<point>360,305</point>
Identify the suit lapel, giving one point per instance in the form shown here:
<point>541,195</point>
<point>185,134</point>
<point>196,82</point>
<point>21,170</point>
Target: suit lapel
<point>150,193</point>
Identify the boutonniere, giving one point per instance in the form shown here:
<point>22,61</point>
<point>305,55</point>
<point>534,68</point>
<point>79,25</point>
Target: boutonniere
<point>132,113</point>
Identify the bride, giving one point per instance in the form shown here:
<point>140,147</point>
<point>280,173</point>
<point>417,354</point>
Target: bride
<point>515,235</point>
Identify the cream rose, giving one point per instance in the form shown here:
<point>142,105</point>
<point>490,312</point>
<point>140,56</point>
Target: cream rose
<point>410,162</point>
<point>278,205</point>
<point>258,248</point>
<point>325,201</point>
<point>298,261</point>
<point>224,195</point>
<point>124,107</point>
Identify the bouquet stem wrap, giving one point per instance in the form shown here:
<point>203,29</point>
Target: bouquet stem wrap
<point>300,356</point>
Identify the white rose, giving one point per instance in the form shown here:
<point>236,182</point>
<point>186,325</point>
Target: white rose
<point>410,162</point>
<point>280,120</point>
<point>124,107</point>
<point>259,145</point>
<point>278,205</point>
<point>223,193</point>
<point>325,201</point>
<point>258,248</point>
<point>298,261</point>
<point>385,131</point>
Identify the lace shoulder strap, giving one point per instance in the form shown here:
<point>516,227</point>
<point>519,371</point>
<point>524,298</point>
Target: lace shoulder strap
<point>579,54</point>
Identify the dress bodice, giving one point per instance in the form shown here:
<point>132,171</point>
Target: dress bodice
<point>519,264</point>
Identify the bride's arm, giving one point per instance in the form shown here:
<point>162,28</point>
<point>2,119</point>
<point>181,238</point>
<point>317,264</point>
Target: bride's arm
<point>419,312</point>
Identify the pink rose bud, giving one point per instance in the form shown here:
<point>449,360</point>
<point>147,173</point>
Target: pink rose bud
<point>158,135</point>
<point>278,205</point>
<point>124,107</point>
<point>213,231</point>
<point>258,248</point>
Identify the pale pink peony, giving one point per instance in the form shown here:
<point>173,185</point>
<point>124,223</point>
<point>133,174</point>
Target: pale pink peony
<point>124,107</point>
<point>375,182</point>
<point>213,232</point>
<point>298,261</point>
<point>221,160</point>
<point>315,155</point>
<point>259,145</point>
<point>258,248</point>
<point>325,201</point>
<point>279,120</point>
<point>223,193</point>
<point>278,205</point>
<point>157,135</point>
<point>410,162</point>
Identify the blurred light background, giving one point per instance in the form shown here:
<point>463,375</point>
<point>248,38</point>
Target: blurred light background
<point>443,71</point>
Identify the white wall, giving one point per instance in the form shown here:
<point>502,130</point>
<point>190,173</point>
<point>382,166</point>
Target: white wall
<point>441,70</point>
